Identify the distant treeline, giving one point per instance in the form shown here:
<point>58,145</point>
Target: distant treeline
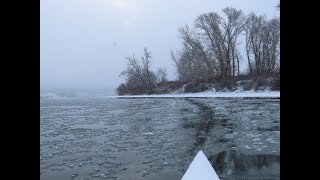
<point>211,52</point>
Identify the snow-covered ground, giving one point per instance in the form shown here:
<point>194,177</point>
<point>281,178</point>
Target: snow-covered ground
<point>212,94</point>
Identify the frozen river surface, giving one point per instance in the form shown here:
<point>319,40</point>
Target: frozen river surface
<point>157,138</point>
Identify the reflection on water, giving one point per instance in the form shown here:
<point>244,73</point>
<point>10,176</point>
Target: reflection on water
<point>235,164</point>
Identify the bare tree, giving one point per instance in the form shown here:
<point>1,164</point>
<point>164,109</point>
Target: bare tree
<point>211,49</point>
<point>139,75</point>
<point>256,25</point>
<point>134,69</point>
<point>248,44</point>
<point>198,51</point>
<point>271,43</point>
<point>262,41</point>
<point>162,75</point>
<point>181,66</point>
<point>121,89</point>
<point>233,26</point>
<point>222,35</point>
<point>146,65</point>
<point>211,32</point>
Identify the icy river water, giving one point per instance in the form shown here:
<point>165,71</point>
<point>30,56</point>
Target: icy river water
<point>157,138</point>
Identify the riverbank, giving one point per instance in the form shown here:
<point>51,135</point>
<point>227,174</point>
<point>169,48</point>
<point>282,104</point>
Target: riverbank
<point>238,84</point>
<point>210,94</point>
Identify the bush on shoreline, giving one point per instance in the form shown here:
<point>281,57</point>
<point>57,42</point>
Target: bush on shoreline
<point>230,84</point>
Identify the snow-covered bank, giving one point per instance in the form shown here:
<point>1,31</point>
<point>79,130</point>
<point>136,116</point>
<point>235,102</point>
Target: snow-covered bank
<point>211,94</point>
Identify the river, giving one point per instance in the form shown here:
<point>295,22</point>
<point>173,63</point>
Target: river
<point>157,138</point>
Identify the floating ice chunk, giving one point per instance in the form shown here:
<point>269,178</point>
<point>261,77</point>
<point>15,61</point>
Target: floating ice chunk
<point>149,133</point>
<point>74,174</point>
<point>144,173</point>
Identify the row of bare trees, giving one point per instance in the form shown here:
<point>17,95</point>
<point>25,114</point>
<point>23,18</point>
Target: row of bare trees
<point>211,49</point>
<point>139,76</point>
<point>214,48</point>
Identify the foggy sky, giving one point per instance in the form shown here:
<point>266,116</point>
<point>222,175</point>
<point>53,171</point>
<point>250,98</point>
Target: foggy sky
<point>83,43</point>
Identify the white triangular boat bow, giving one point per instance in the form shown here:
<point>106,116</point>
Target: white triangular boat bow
<point>200,168</point>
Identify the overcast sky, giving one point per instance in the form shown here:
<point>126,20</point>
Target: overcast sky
<point>84,42</point>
